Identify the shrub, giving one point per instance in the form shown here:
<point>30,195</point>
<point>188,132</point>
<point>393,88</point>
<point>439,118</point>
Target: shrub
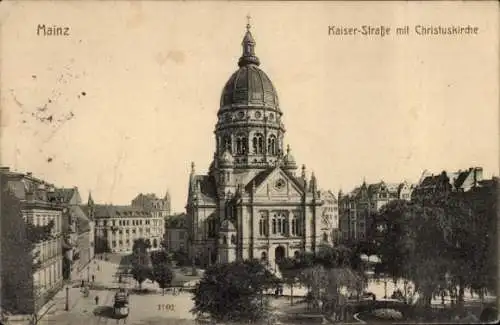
<point>388,314</point>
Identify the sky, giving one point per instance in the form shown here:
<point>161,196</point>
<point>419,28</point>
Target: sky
<point>128,100</point>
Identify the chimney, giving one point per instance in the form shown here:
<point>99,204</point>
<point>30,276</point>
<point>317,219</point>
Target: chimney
<point>478,175</point>
<point>29,174</point>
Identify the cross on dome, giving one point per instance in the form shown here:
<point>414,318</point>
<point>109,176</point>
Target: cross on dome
<point>248,22</point>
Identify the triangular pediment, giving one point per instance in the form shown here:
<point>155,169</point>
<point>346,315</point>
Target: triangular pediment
<point>278,185</point>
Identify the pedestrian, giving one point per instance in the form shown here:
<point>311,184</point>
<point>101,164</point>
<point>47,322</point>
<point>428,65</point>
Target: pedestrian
<point>97,300</point>
<point>83,284</point>
<point>93,278</point>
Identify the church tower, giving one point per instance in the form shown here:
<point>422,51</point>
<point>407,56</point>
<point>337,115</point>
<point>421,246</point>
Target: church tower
<point>91,207</point>
<point>251,204</point>
<point>227,242</point>
<point>249,131</point>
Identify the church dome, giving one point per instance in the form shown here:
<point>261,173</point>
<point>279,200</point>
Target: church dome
<point>249,85</point>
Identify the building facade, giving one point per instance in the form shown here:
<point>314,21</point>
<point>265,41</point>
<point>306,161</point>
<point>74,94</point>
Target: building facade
<point>32,255</point>
<point>116,228</point>
<point>459,181</point>
<point>357,207</point>
<point>78,239</point>
<point>176,235</point>
<point>150,202</point>
<point>330,218</point>
<point>252,204</point>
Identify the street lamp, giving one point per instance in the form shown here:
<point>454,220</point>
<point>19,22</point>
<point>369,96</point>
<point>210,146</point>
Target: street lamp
<point>385,286</point>
<point>66,307</point>
<point>88,274</point>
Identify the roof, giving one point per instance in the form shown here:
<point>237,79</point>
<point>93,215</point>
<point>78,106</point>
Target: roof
<point>177,221</point>
<point>461,177</point>
<point>23,184</point>
<point>206,187</point>
<point>262,176</point>
<point>258,179</point>
<point>18,188</point>
<point>82,220</point>
<point>249,85</point>
<point>149,196</point>
<point>119,211</point>
<point>434,181</point>
<point>65,195</point>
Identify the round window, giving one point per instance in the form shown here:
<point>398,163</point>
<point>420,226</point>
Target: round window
<point>271,116</point>
<point>280,184</point>
<point>241,114</point>
<point>258,114</point>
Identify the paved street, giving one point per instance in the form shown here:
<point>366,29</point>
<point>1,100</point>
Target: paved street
<point>150,308</point>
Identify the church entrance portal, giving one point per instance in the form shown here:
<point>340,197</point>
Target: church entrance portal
<point>279,253</point>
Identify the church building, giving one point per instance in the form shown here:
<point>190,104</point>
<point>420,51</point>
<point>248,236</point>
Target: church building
<point>253,203</point>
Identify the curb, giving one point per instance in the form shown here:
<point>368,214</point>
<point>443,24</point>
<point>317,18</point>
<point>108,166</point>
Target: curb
<point>355,316</point>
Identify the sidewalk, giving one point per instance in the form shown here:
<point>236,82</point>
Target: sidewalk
<point>105,277</point>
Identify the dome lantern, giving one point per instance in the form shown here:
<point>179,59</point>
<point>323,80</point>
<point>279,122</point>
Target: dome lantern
<point>248,43</point>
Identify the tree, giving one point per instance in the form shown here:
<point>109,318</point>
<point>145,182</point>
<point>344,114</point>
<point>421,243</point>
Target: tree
<point>17,255</point>
<point>141,261</point>
<point>141,245</point>
<point>163,275</point>
<point>160,257</point>
<point>141,272</point>
<point>413,242</point>
<point>234,292</point>
<point>328,287</point>
<point>390,228</point>
<point>290,269</point>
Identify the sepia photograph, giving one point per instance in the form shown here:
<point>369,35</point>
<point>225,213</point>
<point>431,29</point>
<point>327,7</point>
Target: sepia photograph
<point>249,162</point>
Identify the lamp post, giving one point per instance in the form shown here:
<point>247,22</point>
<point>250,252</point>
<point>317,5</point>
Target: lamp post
<point>385,286</point>
<point>88,274</point>
<point>66,307</point>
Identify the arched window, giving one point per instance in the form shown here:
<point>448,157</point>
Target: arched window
<point>224,240</point>
<point>233,239</point>
<point>258,143</point>
<point>263,256</point>
<point>271,145</point>
<point>262,226</point>
<point>227,143</point>
<point>241,144</point>
<point>280,224</point>
<point>325,237</point>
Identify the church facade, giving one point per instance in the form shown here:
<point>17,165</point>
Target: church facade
<point>253,203</point>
